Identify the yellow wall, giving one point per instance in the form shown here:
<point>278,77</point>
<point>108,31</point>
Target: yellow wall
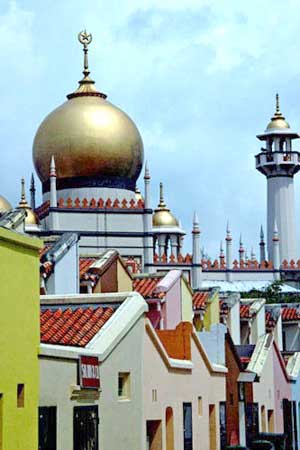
<point>19,339</point>
<point>124,279</point>
<point>212,313</point>
<point>187,302</point>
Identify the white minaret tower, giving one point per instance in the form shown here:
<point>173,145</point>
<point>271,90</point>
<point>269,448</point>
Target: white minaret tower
<point>196,263</point>
<point>279,164</point>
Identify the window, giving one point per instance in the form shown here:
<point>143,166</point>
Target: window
<point>154,395</point>
<point>20,395</point>
<point>200,406</point>
<point>124,385</point>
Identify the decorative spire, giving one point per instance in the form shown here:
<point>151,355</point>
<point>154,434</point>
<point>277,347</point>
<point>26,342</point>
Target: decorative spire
<point>277,114</point>
<point>241,244</point>
<point>52,167</point>
<point>32,192</point>
<point>23,202</point>
<point>86,85</point>
<point>275,232</point>
<point>221,250</point>
<point>228,233</point>
<point>161,196</point>
<point>253,257</point>
<point>196,228</point>
<point>262,236</point>
<point>147,172</point>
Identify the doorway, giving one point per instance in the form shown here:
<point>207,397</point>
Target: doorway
<point>187,427</point>
<point>47,428</point>
<point>154,434</point>
<point>212,428</point>
<point>85,427</point>
<point>169,429</point>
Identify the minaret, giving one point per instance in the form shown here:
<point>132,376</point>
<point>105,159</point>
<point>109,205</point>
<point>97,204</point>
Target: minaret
<point>262,246</point>
<point>228,253</point>
<point>279,164</point>
<point>32,193</point>
<point>53,217</point>
<point>196,263</point>
<point>148,239</point>
<point>241,251</point>
<point>276,253</point>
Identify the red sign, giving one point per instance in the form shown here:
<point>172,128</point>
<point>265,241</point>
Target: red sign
<point>89,372</point>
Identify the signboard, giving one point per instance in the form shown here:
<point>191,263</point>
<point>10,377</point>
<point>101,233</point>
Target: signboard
<point>89,372</point>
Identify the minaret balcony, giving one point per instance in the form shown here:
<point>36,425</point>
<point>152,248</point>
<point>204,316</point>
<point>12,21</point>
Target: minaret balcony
<point>278,163</point>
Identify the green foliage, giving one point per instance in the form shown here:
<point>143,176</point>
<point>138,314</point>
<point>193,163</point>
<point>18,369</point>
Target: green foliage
<point>272,293</point>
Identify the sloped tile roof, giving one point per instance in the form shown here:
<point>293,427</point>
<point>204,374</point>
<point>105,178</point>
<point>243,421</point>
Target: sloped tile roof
<point>84,265</point>
<point>290,313</point>
<point>74,327</point>
<point>200,299</point>
<point>146,286</point>
<point>245,312</point>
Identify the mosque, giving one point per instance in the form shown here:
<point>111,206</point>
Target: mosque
<point>88,155</point>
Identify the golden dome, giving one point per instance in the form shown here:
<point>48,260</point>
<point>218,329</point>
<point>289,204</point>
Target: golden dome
<point>4,205</point>
<point>162,216</point>
<point>93,142</point>
<point>138,194</point>
<point>278,120</point>
<point>31,218</point>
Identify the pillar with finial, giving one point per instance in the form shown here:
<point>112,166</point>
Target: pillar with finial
<point>276,253</point>
<point>31,222</point>
<point>222,256</point>
<point>279,163</point>
<point>196,261</point>
<point>148,238</point>
<point>228,253</point>
<point>53,215</point>
<point>32,193</point>
<point>241,251</point>
<point>253,256</point>
<point>262,246</point>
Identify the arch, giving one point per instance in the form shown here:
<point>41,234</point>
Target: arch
<point>169,429</point>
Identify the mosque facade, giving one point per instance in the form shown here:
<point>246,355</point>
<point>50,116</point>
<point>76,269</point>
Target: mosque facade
<point>88,155</point>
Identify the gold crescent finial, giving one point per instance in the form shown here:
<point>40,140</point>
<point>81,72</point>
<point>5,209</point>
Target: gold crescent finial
<point>85,39</point>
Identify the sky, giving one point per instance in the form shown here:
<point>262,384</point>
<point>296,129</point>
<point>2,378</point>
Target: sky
<point>198,78</point>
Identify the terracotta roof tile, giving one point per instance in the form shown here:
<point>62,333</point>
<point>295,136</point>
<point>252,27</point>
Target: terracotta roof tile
<point>245,312</point>
<point>270,321</point>
<point>85,264</point>
<point>146,286</point>
<point>290,313</point>
<point>73,327</point>
<point>200,299</point>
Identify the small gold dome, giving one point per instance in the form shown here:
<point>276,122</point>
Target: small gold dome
<point>162,216</point>
<point>278,120</point>
<point>93,142</point>
<point>138,194</point>
<point>4,205</point>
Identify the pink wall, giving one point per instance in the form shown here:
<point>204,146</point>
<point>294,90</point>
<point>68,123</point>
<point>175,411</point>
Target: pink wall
<point>282,389</point>
<point>172,307</point>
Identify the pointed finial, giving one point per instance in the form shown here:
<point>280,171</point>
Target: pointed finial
<point>161,196</point>
<point>23,203</point>
<point>86,85</point>
<point>252,255</point>
<point>262,236</point>
<point>196,228</point>
<point>275,232</point>
<point>277,104</point>
<point>32,184</point>
<point>85,39</point>
<point>147,172</point>
<point>228,234</point>
<point>221,250</point>
<point>241,241</point>
<point>52,167</point>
